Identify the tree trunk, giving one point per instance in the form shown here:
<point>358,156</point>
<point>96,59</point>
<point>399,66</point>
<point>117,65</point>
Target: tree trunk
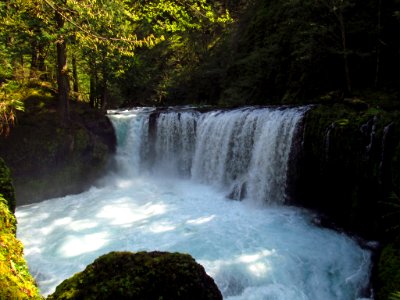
<point>38,56</point>
<point>104,89</point>
<point>62,72</point>
<point>93,83</point>
<point>18,63</point>
<point>104,82</point>
<point>34,60</point>
<point>75,77</point>
<point>345,52</point>
<point>337,7</point>
<point>92,95</point>
<point>42,62</point>
<point>378,45</point>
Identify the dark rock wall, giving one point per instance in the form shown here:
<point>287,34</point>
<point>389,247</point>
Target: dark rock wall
<point>6,186</point>
<point>48,159</point>
<point>15,280</point>
<point>348,170</point>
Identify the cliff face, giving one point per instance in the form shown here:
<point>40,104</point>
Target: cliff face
<point>48,159</point>
<point>348,169</point>
<point>15,280</point>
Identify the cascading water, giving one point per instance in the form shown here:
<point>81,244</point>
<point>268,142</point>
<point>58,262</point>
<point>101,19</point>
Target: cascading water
<point>132,133</point>
<point>245,151</point>
<point>248,150</point>
<point>174,142</point>
<point>176,168</point>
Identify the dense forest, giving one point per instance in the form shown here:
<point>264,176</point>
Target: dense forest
<point>113,53</point>
<point>90,50</point>
<point>63,63</point>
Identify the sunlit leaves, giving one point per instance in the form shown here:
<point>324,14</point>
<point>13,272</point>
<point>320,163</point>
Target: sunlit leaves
<point>105,35</point>
<point>173,16</point>
<point>10,103</point>
<point>112,24</point>
<point>395,296</point>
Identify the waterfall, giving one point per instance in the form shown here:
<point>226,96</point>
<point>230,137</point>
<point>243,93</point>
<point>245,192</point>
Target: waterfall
<point>246,150</point>
<point>174,142</point>
<point>243,151</point>
<point>176,168</point>
<point>131,134</point>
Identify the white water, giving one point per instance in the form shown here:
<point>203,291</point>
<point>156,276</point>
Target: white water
<point>159,201</point>
<point>246,148</point>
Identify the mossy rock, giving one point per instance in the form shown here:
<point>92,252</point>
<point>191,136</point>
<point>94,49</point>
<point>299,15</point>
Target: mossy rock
<point>348,165</point>
<point>142,275</point>
<point>349,170</point>
<point>48,158</point>
<point>15,280</point>
<point>388,272</point>
<point>6,186</point>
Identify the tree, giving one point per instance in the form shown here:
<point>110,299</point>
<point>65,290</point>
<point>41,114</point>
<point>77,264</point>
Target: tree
<point>189,30</point>
<point>106,35</point>
<point>62,68</point>
<point>87,22</point>
<point>337,8</point>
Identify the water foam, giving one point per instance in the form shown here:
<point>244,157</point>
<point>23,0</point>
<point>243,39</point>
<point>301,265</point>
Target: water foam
<point>252,251</point>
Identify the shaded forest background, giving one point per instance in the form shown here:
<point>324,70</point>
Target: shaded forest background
<point>229,53</point>
<point>303,51</point>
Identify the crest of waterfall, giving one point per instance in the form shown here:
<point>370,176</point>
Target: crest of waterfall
<point>131,128</point>
<point>243,151</point>
<point>247,151</point>
<point>175,142</point>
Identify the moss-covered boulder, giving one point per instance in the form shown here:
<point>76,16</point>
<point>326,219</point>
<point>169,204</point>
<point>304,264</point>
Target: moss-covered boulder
<point>49,158</point>
<point>15,280</point>
<point>142,275</point>
<point>6,186</point>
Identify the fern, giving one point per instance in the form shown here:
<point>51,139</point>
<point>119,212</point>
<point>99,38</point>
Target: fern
<point>395,296</point>
<point>392,214</point>
<point>11,94</point>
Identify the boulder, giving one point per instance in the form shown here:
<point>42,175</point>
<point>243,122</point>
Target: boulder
<point>142,275</point>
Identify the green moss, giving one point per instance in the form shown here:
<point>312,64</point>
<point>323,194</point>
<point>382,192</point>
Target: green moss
<point>81,139</point>
<point>15,279</point>
<point>388,272</point>
<point>6,186</point>
<point>142,275</point>
<point>49,159</point>
<point>350,165</point>
<point>395,296</point>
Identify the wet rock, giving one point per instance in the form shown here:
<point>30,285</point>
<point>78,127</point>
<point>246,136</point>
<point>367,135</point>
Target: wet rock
<point>142,275</point>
